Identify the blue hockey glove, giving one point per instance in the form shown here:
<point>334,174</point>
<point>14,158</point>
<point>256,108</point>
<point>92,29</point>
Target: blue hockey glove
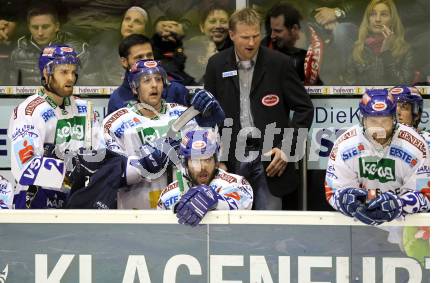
<point>386,207</point>
<point>211,112</point>
<point>203,101</point>
<point>155,155</point>
<point>194,205</point>
<point>348,200</point>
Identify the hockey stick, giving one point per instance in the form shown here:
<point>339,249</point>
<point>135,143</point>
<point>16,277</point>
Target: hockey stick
<point>89,125</point>
<point>180,122</point>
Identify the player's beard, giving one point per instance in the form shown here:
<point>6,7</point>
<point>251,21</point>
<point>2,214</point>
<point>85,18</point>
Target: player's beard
<point>59,89</point>
<point>207,177</point>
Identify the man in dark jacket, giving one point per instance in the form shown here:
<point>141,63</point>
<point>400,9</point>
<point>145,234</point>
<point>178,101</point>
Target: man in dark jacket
<point>131,49</point>
<point>283,31</point>
<point>44,30</point>
<point>257,88</point>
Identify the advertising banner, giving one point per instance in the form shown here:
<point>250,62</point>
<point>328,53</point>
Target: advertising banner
<point>164,252</point>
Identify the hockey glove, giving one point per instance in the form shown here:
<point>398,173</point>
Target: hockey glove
<point>194,205</point>
<point>203,101</point>
<point>386,207</point>
<point>155,155</point>
<point>211,112</point>
<point>85,162</point>
<point>348,200</point>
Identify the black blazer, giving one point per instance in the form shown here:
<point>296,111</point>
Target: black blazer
<point>275,91</point>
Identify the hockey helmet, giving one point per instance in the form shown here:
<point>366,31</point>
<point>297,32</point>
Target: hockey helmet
<point>377,102</point>
<point>142,68</point>
<point>199,144</point>
<point>409,94</point>
<point>53,55</point>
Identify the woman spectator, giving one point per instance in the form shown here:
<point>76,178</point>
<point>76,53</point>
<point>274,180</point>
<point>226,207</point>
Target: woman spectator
<point>214,38</point>
<point>107,69</point>
<point>380,56</point>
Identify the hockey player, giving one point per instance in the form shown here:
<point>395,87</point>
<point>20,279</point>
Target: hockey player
<point>410,108</point>
<point>379,170</point>
<point>51,119</point>
<point>204,185</point>
<point>143,127</point>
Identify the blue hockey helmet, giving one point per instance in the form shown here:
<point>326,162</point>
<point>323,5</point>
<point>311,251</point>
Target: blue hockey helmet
<point>411,95</point>
<point>58,54</point>
<point>199,144</point>
<point>142,68</point>
<point>377,102</point>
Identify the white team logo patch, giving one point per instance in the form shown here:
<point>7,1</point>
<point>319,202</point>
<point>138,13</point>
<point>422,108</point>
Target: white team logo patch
<point>199,144</point>
<point>150,64</point>
<point>396,90</point>
<point>379,106</point>
<point>66,49</point>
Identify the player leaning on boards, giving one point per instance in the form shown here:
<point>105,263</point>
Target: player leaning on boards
<point>144,126</point>
<point>204,186</point>
<point>379,170</point>
<point>410,108</point>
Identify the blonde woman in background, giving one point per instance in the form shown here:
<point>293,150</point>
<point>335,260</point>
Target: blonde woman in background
<point>380,56</point>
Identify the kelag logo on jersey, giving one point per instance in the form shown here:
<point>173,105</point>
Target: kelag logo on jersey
<point>382,170</point>
<point>152,133</point>
<point>70,129</point>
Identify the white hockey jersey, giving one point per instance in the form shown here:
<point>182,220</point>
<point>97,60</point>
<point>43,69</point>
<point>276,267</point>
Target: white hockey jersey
<point>38,122</point>
<point>402,166</point>
<point>125,131</point>
<point>235,191</point>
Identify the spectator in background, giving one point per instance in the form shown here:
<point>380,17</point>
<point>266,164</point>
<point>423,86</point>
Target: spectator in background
<point>168,48</point>
<point>106,69</point>
<point>283,30</point>
<point>88,18</point>
<point>131,49</point>
<point>44,30</point>
<point>9,31</point>
<point>256,87</point>
<point>381,55</point>
<point>214,26</point>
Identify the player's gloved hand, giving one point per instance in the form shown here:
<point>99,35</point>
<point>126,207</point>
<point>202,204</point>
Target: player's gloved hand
<point>350,199</point>
<point>211,112</point>
<point>203,101</point>
<point>386,207</point>
<point>195,203</point>
<point>155,155</point>
<point>85,162</point>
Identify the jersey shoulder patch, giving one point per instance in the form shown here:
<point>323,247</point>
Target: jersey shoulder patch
<point>32,105</point>
<point>408,138</point>
<point>113,117</point>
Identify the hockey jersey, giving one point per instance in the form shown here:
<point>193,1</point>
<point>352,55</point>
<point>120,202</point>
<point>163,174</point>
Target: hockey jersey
<point>41,134</point>
<point>402,166</point>
<point>125,131</point>
<point>235,191</point>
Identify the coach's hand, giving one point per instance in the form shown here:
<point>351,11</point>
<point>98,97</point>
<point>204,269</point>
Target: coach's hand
<point>278,164</point>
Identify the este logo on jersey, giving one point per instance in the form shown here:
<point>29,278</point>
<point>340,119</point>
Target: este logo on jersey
<point>70,129</point>
<point>382,170</point>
